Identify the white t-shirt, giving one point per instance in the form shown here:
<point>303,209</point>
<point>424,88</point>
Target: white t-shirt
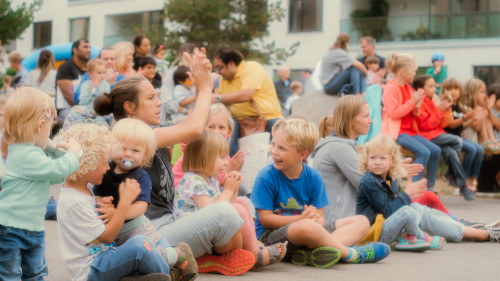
<point>48,84</point>
<point>79,228</point>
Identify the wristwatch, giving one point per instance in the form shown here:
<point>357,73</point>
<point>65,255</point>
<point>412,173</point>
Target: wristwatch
<point>217,98</point>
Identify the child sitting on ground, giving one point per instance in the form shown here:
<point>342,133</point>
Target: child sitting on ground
<point>82,234</point>
<point>431,121</point>
<point>29,116</point>
<point>373,64</point>
<point>289,197</point>
<point>205,159</point>
<point>380,160</point>
<point>475,99</point>
<point>220,121</point>
<point>296,87</point>
<point>183,92</point>
<point>378,193</point>
<point>96,85</point>
<point>147,67</point>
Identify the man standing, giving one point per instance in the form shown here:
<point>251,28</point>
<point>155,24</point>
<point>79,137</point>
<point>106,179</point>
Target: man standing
<point>242,82</point>
<point>367,45</point>
<point>282,85</point>
<point>69,74</point>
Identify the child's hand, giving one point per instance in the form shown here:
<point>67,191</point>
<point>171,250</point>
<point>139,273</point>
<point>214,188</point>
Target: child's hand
<point>445,104</point>
<point>479,114</point>
<point>412,169</point>
<point>232,181</point>
<point>71,145</point>
<point>491,101</point>
<point>418,96</point>
<point>416,189</point>
<point>236,162</point>
<point>107,212</point>
<point>129,190</point>
<point>105,201</point>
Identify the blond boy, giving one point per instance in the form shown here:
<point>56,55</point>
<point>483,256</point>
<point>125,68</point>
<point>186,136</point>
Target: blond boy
<point>289,197</point>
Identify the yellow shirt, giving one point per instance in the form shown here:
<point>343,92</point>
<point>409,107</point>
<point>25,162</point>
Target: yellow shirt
<point>251,75</point>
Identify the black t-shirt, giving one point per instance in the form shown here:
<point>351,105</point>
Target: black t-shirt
<point>457,113</point>
<point>69,71</point>
<point>163,189</point>
<point>381,64</point>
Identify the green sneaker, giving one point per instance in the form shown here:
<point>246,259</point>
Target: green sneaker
<point>321,257</point>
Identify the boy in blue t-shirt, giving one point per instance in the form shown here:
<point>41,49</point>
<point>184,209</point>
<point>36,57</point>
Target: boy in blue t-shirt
<point>289,197</point>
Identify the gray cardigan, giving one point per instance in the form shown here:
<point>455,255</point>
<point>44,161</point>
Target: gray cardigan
<point>337,159</point>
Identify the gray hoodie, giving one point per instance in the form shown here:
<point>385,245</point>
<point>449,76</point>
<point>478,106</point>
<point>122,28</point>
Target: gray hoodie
<point>337,159</point>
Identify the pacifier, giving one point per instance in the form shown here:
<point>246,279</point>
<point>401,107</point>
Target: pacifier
<point>127,163</point>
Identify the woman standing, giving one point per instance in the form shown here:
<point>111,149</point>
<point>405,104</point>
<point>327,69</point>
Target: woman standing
<point>142,48</point>
<point>43,77</point>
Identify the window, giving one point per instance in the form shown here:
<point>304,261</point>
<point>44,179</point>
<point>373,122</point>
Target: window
<point>42,34</point>
<point>490,74</point>
<point>305,15</point>
<point>78,29</point>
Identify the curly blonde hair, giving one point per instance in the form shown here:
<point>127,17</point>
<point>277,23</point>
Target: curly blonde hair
<point>385,143</point>
<point>96,141</point>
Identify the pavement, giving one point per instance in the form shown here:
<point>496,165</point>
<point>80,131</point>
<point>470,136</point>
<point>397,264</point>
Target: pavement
<point>456,261</point>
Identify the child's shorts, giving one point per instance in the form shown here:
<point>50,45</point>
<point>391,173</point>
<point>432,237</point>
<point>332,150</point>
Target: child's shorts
<point>280,235</point>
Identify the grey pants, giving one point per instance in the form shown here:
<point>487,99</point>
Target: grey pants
<point>213,225</point>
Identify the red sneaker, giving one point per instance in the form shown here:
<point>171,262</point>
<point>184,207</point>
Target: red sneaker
<point>234,262</point>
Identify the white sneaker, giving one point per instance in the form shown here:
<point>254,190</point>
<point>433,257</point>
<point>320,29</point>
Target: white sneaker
<point>494,224</point>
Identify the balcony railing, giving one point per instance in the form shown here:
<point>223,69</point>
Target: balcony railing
<point>423,27</point>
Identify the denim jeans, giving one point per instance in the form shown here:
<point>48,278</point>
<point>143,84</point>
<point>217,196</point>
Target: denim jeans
<point>352,76</point>
<point>426,153</point>
<point>451,145</point>
<point>235,136</point>
<point>405,218</point>
<point>436,222</point>
<point>473,158</point>
<point>25,249</point>
<point>136,256</point>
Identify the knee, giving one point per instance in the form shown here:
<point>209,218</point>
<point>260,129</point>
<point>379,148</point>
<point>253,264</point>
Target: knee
<point>363,223</point>
<point>307,228</point>
<point>406,211</point>
<point>240,209</point>
<point>141,243</point>
<point>425,154</point>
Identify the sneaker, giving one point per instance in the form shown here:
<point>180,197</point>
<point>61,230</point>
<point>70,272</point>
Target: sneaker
<point>494,224</point>
<point>234,262</point>
<point>494,233</point>
<point>372,252</point>
<point>449,178</point>
<point>321,257</point>
<point>467,193</point>
<point>186,262</point>
<point>477,225</point>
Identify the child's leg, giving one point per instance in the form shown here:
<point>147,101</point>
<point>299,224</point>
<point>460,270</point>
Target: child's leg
<point>451,145</point>
<point>473,158</point>
<point>405,218</point>
<point>475,234</point>
<point>248,228</point>
<point>433,164</point>
<point>431,200</point>
<point>489,130</point>
<point>31,244</point>
<point>136,256</point>
<point>438,223</point>
<point>422,154</point>
<point>351,230</point>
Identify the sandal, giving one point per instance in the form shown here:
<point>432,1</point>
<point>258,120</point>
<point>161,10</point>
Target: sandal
<point>404,244</point>
<point>436,242</point>
<point>274,255</point>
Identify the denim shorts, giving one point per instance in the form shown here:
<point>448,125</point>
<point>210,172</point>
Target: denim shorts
<point>280,235</point>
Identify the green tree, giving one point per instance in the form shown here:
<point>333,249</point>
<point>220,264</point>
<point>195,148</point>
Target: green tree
<point>240,24</point>
<point>14,22</point>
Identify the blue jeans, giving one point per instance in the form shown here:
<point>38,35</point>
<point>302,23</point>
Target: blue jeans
<point>426,153</point>
<point>473,158</point>
<point>352,76</point>
<point>235,136</point>
<point>25,249</point>
<point>451,145</point>
<point>133,257</point>
<point>436,222</point>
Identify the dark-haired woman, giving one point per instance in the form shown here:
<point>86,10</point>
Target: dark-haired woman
<point>142,48</point>
<point>43,77</point>
<point>213,228</point>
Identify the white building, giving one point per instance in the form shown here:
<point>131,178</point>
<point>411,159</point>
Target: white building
<point>466,31</point>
